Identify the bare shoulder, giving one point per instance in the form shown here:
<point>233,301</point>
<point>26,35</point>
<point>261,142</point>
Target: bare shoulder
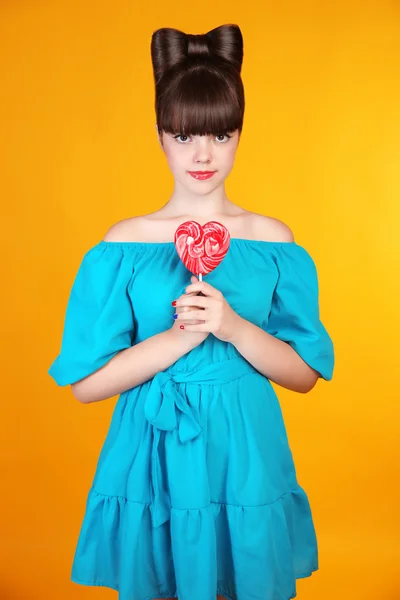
<point>273,230</point>
<point>124,230</point>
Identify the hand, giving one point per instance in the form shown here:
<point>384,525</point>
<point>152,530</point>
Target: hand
<point>212,309</point>
<point>194,339</point>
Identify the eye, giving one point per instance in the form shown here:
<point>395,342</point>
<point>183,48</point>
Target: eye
<point>180,135</point>
<point>219,135</point>
<point>224,135</point>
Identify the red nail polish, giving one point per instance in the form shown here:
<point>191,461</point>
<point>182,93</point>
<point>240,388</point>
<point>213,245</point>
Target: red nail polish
<point>173,303</point>
<point>182,326</point>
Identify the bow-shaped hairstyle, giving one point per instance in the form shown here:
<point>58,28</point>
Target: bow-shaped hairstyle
<point>199,90</point>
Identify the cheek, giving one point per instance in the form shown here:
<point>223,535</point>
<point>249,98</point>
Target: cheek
<point>175,160</point>
<point>229,157</point>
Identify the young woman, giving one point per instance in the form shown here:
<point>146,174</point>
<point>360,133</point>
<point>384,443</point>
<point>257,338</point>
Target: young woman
<point>195,493</point>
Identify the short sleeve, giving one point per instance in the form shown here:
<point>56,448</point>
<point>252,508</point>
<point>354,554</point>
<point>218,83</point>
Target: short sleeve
<point>295,315</point>
<point>99,319</point>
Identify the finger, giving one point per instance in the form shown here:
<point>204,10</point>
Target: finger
<point>188,319</point>
<point>193,323</point>
<point>188,309</point>
<point>200,328</point>
<point>186,296</point>
<point>199,301</point>
<point>204,287</point>
<point>180,309</point>
<point>177,307</point>
<point>191,315</point>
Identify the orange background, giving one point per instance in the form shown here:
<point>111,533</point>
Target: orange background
<point>320,150</point>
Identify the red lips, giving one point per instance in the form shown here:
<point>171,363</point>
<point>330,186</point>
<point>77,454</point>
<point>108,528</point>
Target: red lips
<point>201,175</point>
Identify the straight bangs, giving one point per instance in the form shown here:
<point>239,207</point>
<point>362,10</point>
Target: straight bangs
<point>201,102</point>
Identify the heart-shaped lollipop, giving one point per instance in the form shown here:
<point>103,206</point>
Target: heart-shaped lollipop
<point>201,248</point>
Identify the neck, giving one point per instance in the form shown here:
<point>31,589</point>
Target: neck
<point>201,207</point>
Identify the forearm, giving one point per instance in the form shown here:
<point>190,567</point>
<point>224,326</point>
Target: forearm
<point>273,358</point>
<point>131,367</point>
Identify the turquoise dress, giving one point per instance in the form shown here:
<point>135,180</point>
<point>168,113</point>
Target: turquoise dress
<point>195,491</point>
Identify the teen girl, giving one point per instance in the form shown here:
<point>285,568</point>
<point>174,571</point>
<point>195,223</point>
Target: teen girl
<point>195,493</point>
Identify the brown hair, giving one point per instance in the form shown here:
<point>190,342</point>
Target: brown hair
<point>199,90</point>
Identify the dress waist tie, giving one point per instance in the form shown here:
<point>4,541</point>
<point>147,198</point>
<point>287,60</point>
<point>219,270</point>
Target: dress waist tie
<point>167,409</point>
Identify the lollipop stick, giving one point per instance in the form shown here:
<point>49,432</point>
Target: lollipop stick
<point>200,279</point>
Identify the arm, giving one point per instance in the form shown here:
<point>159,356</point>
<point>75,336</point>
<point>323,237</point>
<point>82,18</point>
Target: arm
<point>274,358</point>
<point>132,366</point>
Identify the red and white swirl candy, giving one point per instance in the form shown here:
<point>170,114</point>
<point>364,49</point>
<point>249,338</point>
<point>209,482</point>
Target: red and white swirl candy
<point>201,248</point>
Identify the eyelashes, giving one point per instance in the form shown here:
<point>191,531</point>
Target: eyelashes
<point>216,135</point>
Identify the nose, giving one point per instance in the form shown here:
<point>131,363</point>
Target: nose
<point>203,149</point>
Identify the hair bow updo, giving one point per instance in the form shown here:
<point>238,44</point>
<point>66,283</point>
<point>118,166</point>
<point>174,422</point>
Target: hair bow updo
<point>199,89</point>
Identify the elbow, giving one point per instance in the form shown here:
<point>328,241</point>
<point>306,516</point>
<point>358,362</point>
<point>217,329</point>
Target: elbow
<point>305,390</point>
<point>309,382</point>
<point>78,392</point>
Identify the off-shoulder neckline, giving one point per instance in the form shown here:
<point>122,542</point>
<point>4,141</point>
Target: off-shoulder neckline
<point>171,243</point>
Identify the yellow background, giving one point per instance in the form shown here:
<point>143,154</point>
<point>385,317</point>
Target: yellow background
<point>320,150</point>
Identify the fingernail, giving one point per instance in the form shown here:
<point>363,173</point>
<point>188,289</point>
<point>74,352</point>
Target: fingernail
<point>182,326</point>
<point>175,316</point>
<point>173,303</point>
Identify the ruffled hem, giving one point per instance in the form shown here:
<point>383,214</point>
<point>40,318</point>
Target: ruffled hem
<point>239,552</point>
<point>219,592</point>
